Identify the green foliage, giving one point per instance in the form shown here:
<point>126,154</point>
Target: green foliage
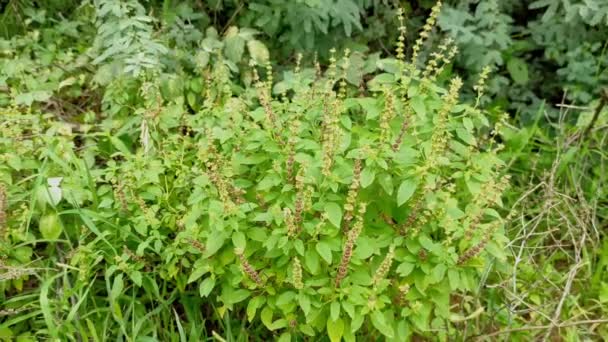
<point>315,206</point>
<point>527,42</point>
<point>161,179</point>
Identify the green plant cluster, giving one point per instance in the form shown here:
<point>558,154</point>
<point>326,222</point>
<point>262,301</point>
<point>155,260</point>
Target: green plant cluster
<point>302,170</point>
<point>324,209</point>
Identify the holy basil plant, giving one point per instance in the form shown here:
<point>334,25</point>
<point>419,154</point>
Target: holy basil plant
<point>323,209</point>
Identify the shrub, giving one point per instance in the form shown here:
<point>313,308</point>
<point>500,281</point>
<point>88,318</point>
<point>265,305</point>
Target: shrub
<point>323,209</point>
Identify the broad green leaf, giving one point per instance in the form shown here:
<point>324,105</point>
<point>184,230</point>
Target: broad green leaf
<point>518,69</point>
<point>136,277</point>
<point>252,307</point>
<point>334,213</point>
<point>405,269</point>
<point>334,310</point>
<point>417,103</point>
<point>386,182</point>
<point>335,329</point>
<point>304,302</point>
<point>237,296</point>
<point>50,226</point>
<point>379,322</point>
<point>324,251</point>
<point>239,240</point>
<point>406,190</point>
<point>206,286</point>
<point>266,316</point>
<point>367,177</point>
<point>312,261</point>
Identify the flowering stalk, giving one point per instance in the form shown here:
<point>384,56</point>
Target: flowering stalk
<point>3,208</point>
<point>292,228</point>
<point>291,149</point>
<point>347,252</point>
<point>480,86</point>
<point>247,268</point>
<point>402,130</point>
<point>475,250</point>
<point>119,192</point>
<point>297,274</point>
<point>426,31</point>
<point>439,139</point>
<point>351,198</point>
<point>197,245</point>
<point>403,291</point>
<point>387,114</point>
<point>401,40</point>
<point>384,267</point>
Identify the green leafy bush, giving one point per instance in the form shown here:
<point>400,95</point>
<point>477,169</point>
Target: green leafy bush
<point>309,206</point>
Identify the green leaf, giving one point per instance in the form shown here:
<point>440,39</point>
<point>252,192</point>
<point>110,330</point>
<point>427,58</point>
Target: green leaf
<point>304,302</point>
<point>266,316</point>
<point>239,240</point>
<point>334,213</point>
<point>367,177</point>
<point>252,307</point>
<point>324,251</point>
<point>405,269</point>
<point>335,329</point>
<point>206,286</point>
<point>518,69</point>
<point>117,287</point>
<point>334,310</point>
<point>237,296</point>
<point>406,190</point>
<point>45,305</point>
<point>417,103</point>
<point>258,51</point>
<point>386,182</point>
<point>429,245</point>
<point>438,273</point>
<point>454,279</point>
<point>214,242</point>
<point>198,271</point>
<point>379,322</point>
<point>120,145</point>
<point>312,261</point>
<point>370,106</point>
<point>50,226</point>
<point>234,47</point>
<point>136,277</point>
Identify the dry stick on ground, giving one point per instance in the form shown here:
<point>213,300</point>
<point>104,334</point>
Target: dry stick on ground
<point>564,211</point>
